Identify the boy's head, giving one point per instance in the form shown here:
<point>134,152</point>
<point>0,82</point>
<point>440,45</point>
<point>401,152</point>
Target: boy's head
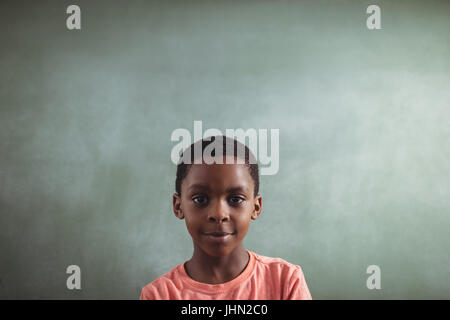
<point>217,195</point>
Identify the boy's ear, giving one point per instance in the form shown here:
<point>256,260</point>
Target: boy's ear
<point>258,207</point>
<point>176,201</point>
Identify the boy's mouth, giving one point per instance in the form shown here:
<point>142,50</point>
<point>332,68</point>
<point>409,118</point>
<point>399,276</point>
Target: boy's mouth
<point>219,236</point>
<point>218,233</point>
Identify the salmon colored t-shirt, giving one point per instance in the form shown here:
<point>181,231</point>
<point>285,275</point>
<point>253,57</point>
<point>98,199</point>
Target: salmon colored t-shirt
<point>263,278</point>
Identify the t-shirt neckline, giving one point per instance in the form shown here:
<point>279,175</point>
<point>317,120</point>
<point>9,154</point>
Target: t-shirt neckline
<point>221,287</point>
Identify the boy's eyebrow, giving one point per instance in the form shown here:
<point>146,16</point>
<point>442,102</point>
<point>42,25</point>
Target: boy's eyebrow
<point>237,189</point>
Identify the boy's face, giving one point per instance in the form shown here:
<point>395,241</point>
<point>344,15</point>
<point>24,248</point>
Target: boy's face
<point>217,202</point>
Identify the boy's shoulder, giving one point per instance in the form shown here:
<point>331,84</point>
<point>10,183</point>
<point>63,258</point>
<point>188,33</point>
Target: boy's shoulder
<point>290,276</point>
<point>168,279</point>
<point>276,265</point>
<point>273,261</point>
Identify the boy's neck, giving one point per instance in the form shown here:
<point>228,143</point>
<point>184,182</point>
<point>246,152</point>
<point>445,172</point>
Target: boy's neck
<point>214,270</point>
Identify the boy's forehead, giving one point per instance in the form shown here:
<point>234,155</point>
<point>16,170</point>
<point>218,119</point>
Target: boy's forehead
<point>212,176</point>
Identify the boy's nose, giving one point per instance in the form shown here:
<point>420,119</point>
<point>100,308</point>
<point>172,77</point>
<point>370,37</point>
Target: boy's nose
<point>218,213</point>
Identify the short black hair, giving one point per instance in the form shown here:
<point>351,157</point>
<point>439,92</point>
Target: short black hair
<point>230,147</point>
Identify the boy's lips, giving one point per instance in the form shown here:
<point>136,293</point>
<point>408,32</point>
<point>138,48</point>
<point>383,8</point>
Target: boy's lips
<point>218,233</point>
<point>219,237</point>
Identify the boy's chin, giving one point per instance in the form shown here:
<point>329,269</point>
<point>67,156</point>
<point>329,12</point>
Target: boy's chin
<point>218,251</point>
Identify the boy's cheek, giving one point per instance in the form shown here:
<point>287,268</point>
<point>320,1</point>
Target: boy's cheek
<point>190,226</point>
<point>193,227</point>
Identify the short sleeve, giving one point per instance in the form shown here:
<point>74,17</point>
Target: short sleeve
<point>297,288</point>
<point>147,294</point>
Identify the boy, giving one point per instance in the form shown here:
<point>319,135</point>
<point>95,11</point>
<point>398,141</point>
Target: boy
<point>218,199</point>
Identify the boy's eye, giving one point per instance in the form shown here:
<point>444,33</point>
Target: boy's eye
<point>200,199</point>
<point>236,200</point>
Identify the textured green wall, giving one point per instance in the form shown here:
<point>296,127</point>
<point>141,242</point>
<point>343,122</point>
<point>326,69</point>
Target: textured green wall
<point>86,118</point>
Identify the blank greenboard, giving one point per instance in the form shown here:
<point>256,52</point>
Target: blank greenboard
<point>86,117</point>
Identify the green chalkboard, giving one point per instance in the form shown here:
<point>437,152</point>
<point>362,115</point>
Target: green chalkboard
<point>86,117</point>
